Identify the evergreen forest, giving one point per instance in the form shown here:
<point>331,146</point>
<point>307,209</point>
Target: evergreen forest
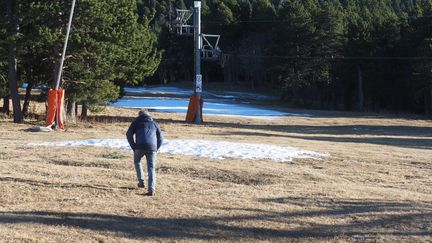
<point>353,55</point>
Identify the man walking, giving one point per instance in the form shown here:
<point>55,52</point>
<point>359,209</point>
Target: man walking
<point>148,140</point>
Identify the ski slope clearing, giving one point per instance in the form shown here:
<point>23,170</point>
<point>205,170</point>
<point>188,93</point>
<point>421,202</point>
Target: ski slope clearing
<point>204,148</point>
<point>172,99</point>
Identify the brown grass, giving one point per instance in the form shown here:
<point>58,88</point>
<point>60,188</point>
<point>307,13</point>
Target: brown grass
<point>375,186</point>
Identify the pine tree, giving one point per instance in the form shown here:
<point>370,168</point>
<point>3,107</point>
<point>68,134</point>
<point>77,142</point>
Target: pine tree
<point>293,39</point>
<point>330,40</point>
<point>420,40</point>
<point>108,47</point>
<point>35,62</point>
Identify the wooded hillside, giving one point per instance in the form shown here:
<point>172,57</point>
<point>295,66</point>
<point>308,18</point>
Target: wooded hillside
<point>363,55</point>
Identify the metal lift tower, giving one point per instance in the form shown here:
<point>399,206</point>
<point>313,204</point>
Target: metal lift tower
<point>197,52</point>
<point>208,51</point>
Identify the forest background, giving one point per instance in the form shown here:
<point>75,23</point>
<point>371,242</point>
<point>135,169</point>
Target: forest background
<point>363,55</point>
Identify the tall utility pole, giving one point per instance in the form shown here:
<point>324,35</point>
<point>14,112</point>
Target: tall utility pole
<point>205,48</point>
<point>60,72</point>
<point>59,75</point>
<point>198,46</point>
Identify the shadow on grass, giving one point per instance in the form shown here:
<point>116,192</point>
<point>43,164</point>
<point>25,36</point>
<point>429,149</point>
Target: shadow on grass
<point>62,185</point>
<point>422,143</point>
<point>359,219</point>
<point>417,143</point>
<point>414,131</point>
<point>400,136</point>
<point>409,131</point>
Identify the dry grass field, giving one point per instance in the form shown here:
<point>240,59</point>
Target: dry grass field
<point>376,185</point>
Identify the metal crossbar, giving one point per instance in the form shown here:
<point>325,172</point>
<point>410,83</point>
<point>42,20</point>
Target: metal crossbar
<point>211,51</point>
<point>181,22</point>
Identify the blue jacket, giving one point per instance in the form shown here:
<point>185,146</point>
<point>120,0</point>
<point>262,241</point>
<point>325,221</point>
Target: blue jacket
<point>148,135</point>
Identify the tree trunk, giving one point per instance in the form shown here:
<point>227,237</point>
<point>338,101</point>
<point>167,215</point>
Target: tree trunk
<point>13,87</point>
<point>171,75</point>
<point>76,109</point>
<point>360,93</point>
<point>225,74</point>
<point>233,71</point>
<point>187,76</point>
<point>6,103</point>
<point>230,73</point>
<point>11,12</point>
<point>428,98</point>
<point>84,111</point>
<point>27,98</point>
<point>70,110</point>
<point>162,74</point>
<point>205,76</point>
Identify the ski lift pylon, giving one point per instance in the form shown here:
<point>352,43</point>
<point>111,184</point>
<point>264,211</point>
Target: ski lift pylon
<point>181,23</point>
<point>210,49</point>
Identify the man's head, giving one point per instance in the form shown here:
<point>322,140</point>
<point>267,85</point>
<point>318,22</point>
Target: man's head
<point>143,112</point>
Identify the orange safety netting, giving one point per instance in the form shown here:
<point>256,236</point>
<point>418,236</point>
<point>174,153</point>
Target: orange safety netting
<point>55,100</point>
<point>193,108</point>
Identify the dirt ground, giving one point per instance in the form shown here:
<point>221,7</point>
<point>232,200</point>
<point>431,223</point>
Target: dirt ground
<point>376,184</point>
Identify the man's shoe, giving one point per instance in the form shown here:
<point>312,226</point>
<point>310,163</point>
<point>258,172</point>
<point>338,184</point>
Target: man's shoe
<point>150,194</point>
<point>141,185</point>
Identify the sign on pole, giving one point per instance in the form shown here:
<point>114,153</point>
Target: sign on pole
<point>198,83</point>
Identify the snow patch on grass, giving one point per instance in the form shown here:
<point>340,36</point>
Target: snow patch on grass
<point>204,148</point>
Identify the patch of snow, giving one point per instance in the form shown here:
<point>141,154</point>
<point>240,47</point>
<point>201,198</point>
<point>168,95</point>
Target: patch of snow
<point>225,96</point>
<point>204,148</point>
<point>159,90</point>
<point>228,105</point>
<point>244,95</point>
<point>211,107</point>
<point>36,86</point>
<point>350,161</point>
